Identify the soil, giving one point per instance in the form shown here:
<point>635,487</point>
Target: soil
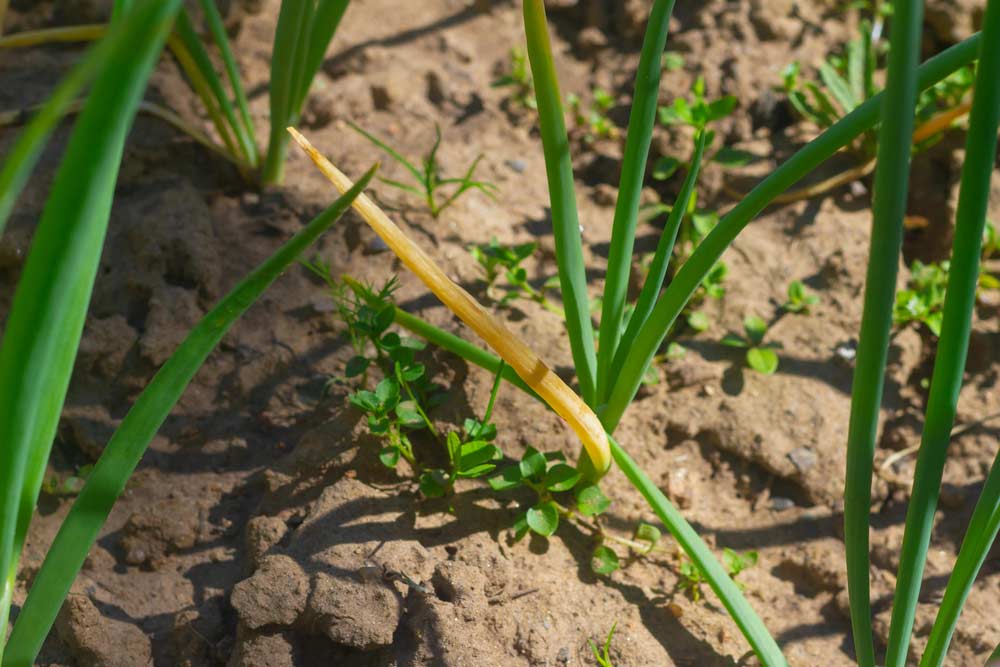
<point>261,529</point>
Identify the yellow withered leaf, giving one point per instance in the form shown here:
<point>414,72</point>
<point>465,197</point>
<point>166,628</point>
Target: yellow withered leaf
<point>535,373</point>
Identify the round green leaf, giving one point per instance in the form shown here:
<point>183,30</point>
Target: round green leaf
<point>507,479</point>
<point>763,360</point>
<point>561,477</point>
<point>699,321</point>
<point>590,500</point>
<point>356,366</point>
<point>604,560</point>
<point>543,518</point>
<point>533,463</point>
<point>389,456</point>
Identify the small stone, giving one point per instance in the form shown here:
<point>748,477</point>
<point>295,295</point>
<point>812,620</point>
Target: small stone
<point>562,657</point>
<point>780,504</point>
<point>846,352</point>
<point>516,165</point>
<point>802,458</point>
<point>375,246</point>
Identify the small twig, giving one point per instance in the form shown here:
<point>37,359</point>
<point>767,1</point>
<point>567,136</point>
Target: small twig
<point>76,33</point>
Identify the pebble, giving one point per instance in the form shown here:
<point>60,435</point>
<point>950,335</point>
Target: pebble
<point>517,165</point>
<point>802,458</point>
<point>846,352</point>
<point>780,504</point>
<point>375,246</point>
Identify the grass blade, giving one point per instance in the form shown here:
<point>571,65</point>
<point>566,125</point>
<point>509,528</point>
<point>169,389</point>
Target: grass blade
<point>50,304</point>
<point>838,87</point>
<point>689,277</point>
<point>953,344</point>
<point>326,20</point>
<point>892,175</point>
<point>562,197</point>
<point>664,249</point>
<point>196,49</point>
<point>245,130</point>
<point>292,21</point>
<point>126,447</point>
<point>979,538</point>
<point>393,153</point>
<point>637,142</point>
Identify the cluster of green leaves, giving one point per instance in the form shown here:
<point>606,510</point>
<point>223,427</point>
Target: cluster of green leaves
<point>692,580</point>
<point>497,259</point>
<point>551,478</point>
<point>593,119</point>
<point>428,176</point>
<point>923,298</point>
<point>760,356</point>
<point>800,300</point>
<point>699,113</point>
<point>848,79</point>
<point>518,79</point>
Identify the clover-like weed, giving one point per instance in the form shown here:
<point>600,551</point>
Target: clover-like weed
<point>499,260</point>
<point>517,78</point>
<point>800,300</point>
<point>428,178</point>
<point>760,357</point>
<point>593,119</point>
<point>692,579</point>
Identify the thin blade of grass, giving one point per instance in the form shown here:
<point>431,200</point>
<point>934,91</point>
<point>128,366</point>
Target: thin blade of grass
<point>979,538</point>
<point>838,87</point>
<point>661,259</point>
<point>392,152</point>
<point>126,447</point>
<point>637,142</point>
<point>189,37</point>
<point>892,175</point>
<point>246,130</point>
<point>690,275</point>
<point>326,20</point>
<point>46,318</point>
<point>953,343</point>
<point>287,40</point>
<point>562,197</point>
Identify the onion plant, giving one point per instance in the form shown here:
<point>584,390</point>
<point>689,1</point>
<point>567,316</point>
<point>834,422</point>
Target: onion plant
<point>304,30</point>
<point>608,378</point>
<point>45,322</point>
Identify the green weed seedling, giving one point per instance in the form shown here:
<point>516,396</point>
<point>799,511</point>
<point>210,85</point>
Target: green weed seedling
<point>499,260</point>
<point>699,113</point>
<point>800,300</point>
<point>672,61</point>
<point>847,80</point>
<point>593,119</point>
<point>759,356</point>
<point>518,79</point>
<point>428,176</point>
<point>691,577</point>
<point>923,298</point>
<point>603,656</point>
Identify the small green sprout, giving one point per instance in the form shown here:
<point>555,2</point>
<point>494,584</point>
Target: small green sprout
<point>518,79</point>
<point>70,485</point>
<point>428,177</point>
<point>923,298</point>
<point>603,656</point>
<point>594,119</point>
<point>800,300</point>
<point>497,259</point>
<point>672,61</point>
<point>692,577</point>
<point>760,357</point>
